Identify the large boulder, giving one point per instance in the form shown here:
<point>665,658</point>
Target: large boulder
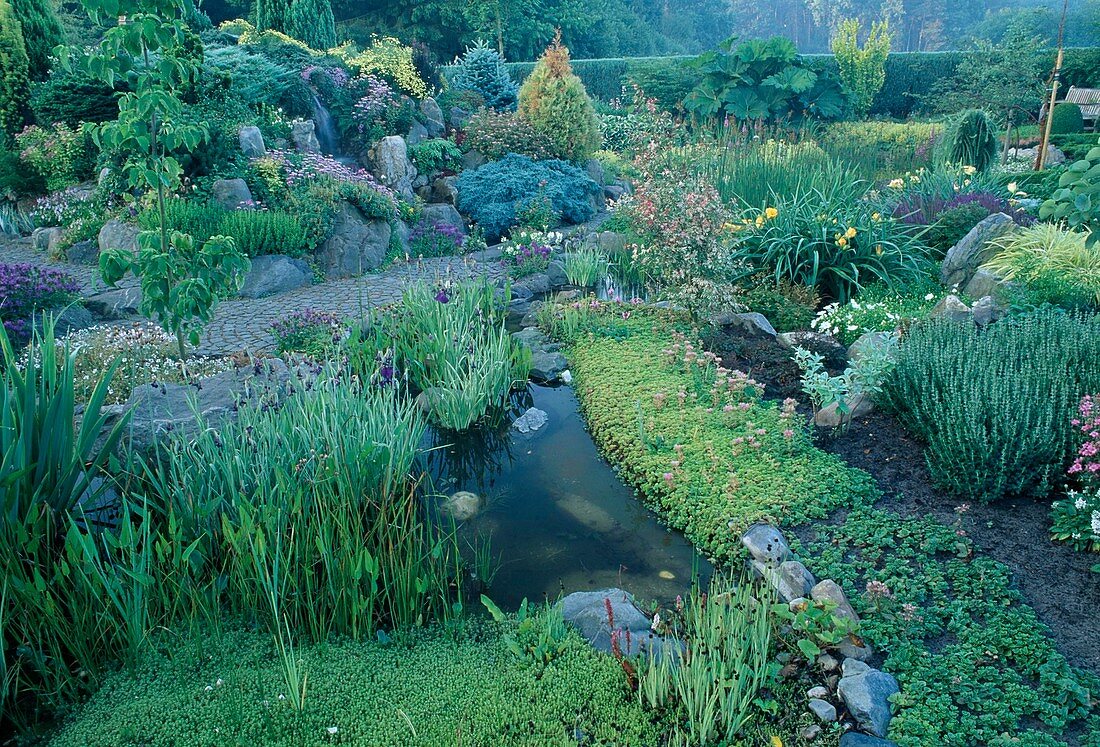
<point>83,253</point>
<point>988,283</point>
<point>252,141</point>
<point>751,324</point>
<point>766,544</point>
<point>163,409</point>
<point>595,171</point>
<point>974,249</point>
<point>952,307</point>
<point>355,244</point>
<point>444,189</point>
<point>275,273</point>
<point>433,116</point>
<point>116,234</point>
<point>867,693</point>
<point>46,239</point>
<point>418,133</point>
<point>597,615</point>
<point>116,303</point>
<point>392,165</point>
<point>231,194</point>
<point>304,135</point>
<point>443,213</point>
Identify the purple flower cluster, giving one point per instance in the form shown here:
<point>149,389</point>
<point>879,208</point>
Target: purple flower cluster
<point>338,75</point>
<point>299,167</point>
<point>377,97</point>
<point>923,210</point>
<point>26,289</point>
<point>306,320</point>
<point>52,209</point>
<point>436,239</point>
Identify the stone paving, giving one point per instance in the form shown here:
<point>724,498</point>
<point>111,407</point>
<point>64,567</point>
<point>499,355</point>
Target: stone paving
<point>244,324</point>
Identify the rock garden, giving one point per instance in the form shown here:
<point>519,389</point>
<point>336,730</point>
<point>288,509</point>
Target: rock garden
<point>347,397</point>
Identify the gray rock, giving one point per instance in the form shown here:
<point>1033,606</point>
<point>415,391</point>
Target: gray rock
<point>45,239</point>
<point>974,250</point>
<point>867,697</point>
<point>791,579</point>
<point>72,318</point>
<point>163,410</point>
<point>855,649</point>
<point>830,591</point>
<point>443,213</point>
<point>304,135</point>
<point>392,165</point>
<point>533,338</point>
<point>988,283</point>
<point>433,116</point>
<point>952,307</point>
<point>102,176</point>
<point>420,184</point>
<point>766,544</point>
<point>817,692</point>
<point>830,416</point>
<point>555,272</point>
<point>538,283</point>
<point>1054,157</point>
<point>986,311</point>
<point>855,739</point>
<point>116,303</point>
<point>835,354</point>
<point>355,244</point>
<point>252,141</point>
<point>595,171</point>
<point>870,341</point>
<point>83,253</point>
<point>402,230</point>
<point>613,192</point>
<point>587,611</point>
<point>459,117</point>
<point>230,194</point>
<point>751,324</point>
<point>519,290</point>
<point>828,662</point>
<point>472,159</point>
<point>275,273</point>
<point>444,189</point>
<point>853,667</point>
<point>530,421</point>
<point>823,709</point>
<point>418,133</point>
<point>547,366</point>
<point>461,506</point>
<point>116,234</point>
<point>810,733</point>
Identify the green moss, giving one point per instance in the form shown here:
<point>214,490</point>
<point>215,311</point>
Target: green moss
<point>427,687</point>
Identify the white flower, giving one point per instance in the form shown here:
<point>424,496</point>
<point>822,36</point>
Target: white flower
<point>332,730</point>
<point>930,296</point>
<point>1096,523</point>
<point>1079,503</point>
<point>209,688</point>
<point>852,327</point>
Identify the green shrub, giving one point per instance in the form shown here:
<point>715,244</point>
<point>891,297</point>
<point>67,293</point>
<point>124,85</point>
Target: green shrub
<point>762,79</point>
<point>879,308</point>
<point>435,155</point>
<point>41,33</point>
<point>1076,147</point>
<point>952,225</point>
<point>787,306</point>
<point>496,134</point>
<point>863,71</point>
<point>72,97</point>
<point>481,70</point>
<point>995,405</point>
<point>495,193</point>
<point>881,149</point>
<point>312,22</point>
<point>1065,119</point>
<point>554,101</point>
<point>256,232</point>
<point>972,141</point>
<point>14,73</point>
<point>247,76</point>
<point>58,153</point>
<point>667,81</point>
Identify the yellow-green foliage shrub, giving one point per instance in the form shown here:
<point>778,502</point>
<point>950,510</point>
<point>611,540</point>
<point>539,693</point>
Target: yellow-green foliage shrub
<point>391,60</point>
<point>554,101</point>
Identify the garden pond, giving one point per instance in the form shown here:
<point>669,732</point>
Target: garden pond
<point>552,514</point>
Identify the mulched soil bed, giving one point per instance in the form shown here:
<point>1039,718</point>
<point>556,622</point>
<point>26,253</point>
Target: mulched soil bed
<point>1055,580</point>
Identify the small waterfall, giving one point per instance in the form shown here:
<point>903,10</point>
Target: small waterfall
<point>325,129</point>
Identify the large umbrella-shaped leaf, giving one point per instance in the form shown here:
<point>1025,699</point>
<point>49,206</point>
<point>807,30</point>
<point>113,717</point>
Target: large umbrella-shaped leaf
<point>793,79</point>
<point>826,99</point>
<point>743,103</point>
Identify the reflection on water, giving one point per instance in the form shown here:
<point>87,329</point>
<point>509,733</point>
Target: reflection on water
<point>558,517</point>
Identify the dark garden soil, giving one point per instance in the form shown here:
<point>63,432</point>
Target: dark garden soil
<point>1056,581</point>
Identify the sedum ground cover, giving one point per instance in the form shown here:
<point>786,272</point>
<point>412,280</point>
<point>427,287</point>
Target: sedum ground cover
<point>975,664</point>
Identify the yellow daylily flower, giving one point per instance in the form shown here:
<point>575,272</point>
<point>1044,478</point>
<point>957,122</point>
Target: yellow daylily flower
<point>770,213</point>
<point>876,216</point>
<point>842,242</point>
<point>1012,187</point>
<point>897,183</point>
<point>850,233</point>
<point>878,250</point>
<point>760,221</point>
<point>970,170</point>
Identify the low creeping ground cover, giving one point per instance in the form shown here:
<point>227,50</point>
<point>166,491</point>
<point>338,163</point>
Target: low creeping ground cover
<point>976,665</point>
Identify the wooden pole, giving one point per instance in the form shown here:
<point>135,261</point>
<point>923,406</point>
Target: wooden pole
<point>1041,158</point>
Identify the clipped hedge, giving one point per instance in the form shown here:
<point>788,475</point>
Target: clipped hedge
<point>909,75</point>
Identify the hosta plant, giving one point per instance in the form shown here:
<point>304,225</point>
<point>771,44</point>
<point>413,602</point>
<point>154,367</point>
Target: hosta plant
<point>1077,200</point>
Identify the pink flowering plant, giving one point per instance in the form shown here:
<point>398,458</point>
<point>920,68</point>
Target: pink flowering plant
<point>1076,518</point>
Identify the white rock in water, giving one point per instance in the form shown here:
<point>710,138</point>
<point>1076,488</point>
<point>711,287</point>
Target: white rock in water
<point>462,505</point>
<point>530,421</point>
<point>566,377</point>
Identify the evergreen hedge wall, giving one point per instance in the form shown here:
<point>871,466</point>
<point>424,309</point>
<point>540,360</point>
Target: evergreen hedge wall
<point>909,75</point>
